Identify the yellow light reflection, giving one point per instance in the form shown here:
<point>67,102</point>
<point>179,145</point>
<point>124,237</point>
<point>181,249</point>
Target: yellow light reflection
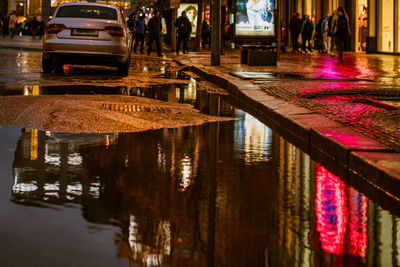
<point>122,4</point>
<point>190,93</point>
<point>149,255</point>
<point>34,144</point>
<point>31,90</point>
<point>186,173</point>
<point>257,140</point>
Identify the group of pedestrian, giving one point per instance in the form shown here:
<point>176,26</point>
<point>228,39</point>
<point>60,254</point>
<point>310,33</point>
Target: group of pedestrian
<point>9,26</point>
<point>139,30</point>
<point>153,29</point>
<point>331,30</point>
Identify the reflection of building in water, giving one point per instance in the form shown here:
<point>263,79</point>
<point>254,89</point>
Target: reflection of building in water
<point>253,137</point>
<point>347,229</point>
<point>201,196</point>
<point>49,166</point>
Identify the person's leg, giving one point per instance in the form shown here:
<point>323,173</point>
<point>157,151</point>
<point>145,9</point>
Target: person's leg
<point>339,46</point>
<point>178,45</point>
<point>294,42</point>
<point>141,39</point>
<point>309,44</point>
<point>158,45</point>
<point>136,44</point>
<point>303,44</point>
<point>185,47</point>
<point>328,43</point>
<point>324,42</point>
<point>149,46</point>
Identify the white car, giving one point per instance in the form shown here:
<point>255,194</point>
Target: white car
<point>87,34</point>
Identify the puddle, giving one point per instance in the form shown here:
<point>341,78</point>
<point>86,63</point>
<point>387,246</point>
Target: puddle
<point>178,75</point>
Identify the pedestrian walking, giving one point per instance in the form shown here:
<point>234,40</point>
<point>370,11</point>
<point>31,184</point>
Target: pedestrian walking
<point>5,19</point>
<point>318,36</point>
<point>139,33</point>
<point>205,34</point>
<point>131,22</point>
<point>306,34</point>
<point>340,30</point>
<point>326,36</point>
<point>41,27</point>
<point>34,27</point>
<point>295,28</point>
<point>12,23</point>
<point>184,28</point>
<point>154,27</point>
<point>330,31</point>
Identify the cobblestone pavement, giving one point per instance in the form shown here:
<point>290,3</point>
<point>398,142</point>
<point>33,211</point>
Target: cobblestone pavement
<point>350,92</point>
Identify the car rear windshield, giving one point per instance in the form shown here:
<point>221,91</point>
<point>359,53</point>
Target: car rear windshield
<point>88,12</point>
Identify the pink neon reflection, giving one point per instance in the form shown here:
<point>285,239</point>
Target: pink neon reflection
<point>340,215</point>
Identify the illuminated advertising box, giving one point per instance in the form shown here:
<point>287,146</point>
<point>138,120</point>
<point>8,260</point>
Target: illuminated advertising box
<point>191,13</point>
<point>255,19</point>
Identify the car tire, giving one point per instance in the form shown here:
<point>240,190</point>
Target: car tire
<point>123,68</point>
<point>47,67</point>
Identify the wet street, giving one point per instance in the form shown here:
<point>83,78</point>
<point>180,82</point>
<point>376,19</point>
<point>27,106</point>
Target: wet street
<point>230,193</point>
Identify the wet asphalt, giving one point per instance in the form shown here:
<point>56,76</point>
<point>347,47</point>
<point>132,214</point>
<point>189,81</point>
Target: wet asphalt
<point>358,96</point>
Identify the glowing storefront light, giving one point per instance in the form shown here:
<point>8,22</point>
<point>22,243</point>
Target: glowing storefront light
<point>122,4</point>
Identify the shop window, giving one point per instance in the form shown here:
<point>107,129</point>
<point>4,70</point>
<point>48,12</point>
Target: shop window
<point>362,26</point>
<point>386,31</point>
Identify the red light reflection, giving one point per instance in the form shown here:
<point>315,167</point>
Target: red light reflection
<point>340,215</point>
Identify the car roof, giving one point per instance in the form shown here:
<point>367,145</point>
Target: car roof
<point>86,3</point>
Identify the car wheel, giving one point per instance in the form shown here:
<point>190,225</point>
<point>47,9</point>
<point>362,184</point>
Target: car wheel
<point>123,68</point>
<point>46,65</point>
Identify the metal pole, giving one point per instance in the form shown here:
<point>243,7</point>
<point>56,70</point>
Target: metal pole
<point>173,30</point>
<point>216,32</point>
<point>199,25</point>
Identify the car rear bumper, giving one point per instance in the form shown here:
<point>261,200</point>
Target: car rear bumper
<point>85,52</point>
<point>84,59</point>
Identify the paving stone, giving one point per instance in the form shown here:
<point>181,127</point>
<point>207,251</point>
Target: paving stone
<point>381,169</point>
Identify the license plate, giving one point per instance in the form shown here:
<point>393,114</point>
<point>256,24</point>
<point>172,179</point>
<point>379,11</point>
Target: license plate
<point>84,32</point>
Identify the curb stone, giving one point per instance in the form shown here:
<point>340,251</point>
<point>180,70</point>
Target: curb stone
<point>341,157</point>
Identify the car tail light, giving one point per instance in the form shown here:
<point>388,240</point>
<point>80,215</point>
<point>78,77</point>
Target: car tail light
<point>54,28</point>
<point>115,31</point>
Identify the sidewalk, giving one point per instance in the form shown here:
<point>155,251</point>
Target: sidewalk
<point>334,111</point>
<point>21,42</point>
